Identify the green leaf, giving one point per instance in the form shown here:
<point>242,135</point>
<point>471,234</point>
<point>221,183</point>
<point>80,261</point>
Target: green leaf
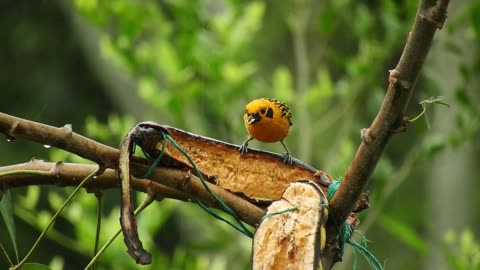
<point>234,73</point>
<point>282,84</point>
<point>57,263</point>
<point>30,199</point>
<point>461,96</point>
<point>460,250</point>
<point>321,90</point>
<point>326,21</point>
<point>55,200</point>
<point>246,25</point>
<point>475,19</point>
<point>35,266</point>
<point>434,145</point>
<point>403,232</point>
<point>7,213</point>
<point>435,99</point>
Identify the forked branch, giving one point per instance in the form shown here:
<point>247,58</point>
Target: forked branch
<point>430,17</point>
<point>107,157</point>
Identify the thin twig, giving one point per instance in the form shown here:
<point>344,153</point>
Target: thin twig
<point>5,254</point>
<point>67,201</point>
<point>139,209</point>
<point>99,196</point>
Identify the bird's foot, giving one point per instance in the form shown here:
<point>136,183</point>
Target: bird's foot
<point>287,158</point>
<point>243,148</point>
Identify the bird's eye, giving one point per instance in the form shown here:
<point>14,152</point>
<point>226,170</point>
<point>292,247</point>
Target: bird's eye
<point>263,110</point>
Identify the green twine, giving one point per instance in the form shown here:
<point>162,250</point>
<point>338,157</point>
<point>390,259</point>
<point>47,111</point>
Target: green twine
<point>278,213</point>
<point>156,161</point>
<point>332,188</point>
<point>346,233</point>
<point>239,226</point>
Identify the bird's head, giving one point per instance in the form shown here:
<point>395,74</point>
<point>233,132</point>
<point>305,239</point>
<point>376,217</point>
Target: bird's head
<point>257,110</point>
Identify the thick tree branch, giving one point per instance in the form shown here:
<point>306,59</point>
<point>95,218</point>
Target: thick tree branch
<point>430,17</point>
<point>64,138</point>
<point>71,174</point>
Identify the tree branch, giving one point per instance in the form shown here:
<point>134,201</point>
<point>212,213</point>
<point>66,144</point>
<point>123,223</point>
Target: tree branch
<point>71,174</point>
<point>430,16</point>
<point>107,157</point>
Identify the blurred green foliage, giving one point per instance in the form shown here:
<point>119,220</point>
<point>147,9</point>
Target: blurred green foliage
<point>194,65</point>
<point>462,250</point>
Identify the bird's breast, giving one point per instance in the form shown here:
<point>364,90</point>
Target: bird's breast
<point>267,130</point>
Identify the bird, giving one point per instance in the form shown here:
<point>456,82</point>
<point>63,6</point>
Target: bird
<point>267,120</point>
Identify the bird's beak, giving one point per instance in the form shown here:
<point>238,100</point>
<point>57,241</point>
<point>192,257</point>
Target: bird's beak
<point>253,118</point>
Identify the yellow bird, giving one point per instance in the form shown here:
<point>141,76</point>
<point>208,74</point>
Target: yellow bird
<point>267,120</point>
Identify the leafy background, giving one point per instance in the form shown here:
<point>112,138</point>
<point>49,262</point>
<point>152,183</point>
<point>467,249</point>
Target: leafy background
<point>105,65</point>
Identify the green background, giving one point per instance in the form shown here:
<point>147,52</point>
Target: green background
<point>103,66</point>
